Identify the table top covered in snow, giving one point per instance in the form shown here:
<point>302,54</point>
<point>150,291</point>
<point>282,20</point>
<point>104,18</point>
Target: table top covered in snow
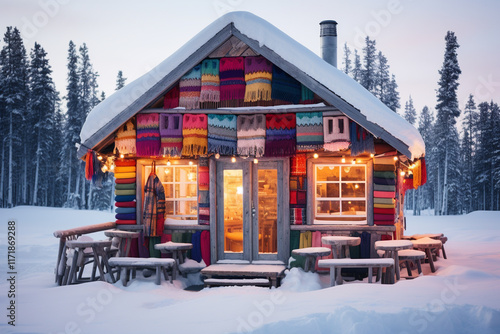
<point>336,240</point>
<point>393,245</point>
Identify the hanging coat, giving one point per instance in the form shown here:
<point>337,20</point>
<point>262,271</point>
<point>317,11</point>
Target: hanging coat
<point>153,217</point>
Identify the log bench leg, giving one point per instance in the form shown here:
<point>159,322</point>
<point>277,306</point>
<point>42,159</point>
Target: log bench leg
<point>332,275</point>
<point>158,275</point>
<point>429,257</point>
<point>370,274</point>
<point>408,267</point>
<point>419,267</point>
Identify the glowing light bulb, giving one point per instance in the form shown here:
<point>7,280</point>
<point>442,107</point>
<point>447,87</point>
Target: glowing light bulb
<point>356,186</point>
<point>255,161</point>
<point>168,163</point>
<point>122,156</point>
<point>343,159</point>
<point>112,167</point>
<point>353,161</point>
<point>217,155</point>
<point>233,159</point>
<point>99,157</point>
<point>402,173</point>
<point>315,155</point>
<point>190,163</point>
<point>396,158</point>
<point>372,155</point>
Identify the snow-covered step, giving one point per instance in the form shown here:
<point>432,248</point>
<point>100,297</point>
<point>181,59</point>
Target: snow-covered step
<point>210,282</point>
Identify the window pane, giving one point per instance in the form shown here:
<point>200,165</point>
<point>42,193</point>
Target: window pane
<point>353,173</point>
<point>185,174</point>
<point>233,210</point>
<point>327,173</point>
<point>268,210</point>
<point>169,191</point>
<point>353,190</point>
<point>169,208</point>
<point>186,208</point>
<point>185,190</point>
<point>165,174</point>
<point>327,190</point>
<point>328,207</point>
<point>353,207</point>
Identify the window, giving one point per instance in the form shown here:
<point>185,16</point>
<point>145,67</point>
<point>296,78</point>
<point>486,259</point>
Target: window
<point>340,192</point>
<point>181,190</point>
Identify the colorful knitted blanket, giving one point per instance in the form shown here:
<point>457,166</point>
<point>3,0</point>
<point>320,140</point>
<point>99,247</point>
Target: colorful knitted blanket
<point>171,99</point>
<point>190,87</point>
<point>336,131</point>
<point>251,133</point>
<point>298,165</point>
<point>125,138</point>
<point>309,131</point>
<point>258,76</point>
<point>194,132</point>
<point>203,192</point>
<point>148,135</point>
<point>222,136</point>
<point>232,78</point>
<point>361,140</point>
<point>210,81</point>
<point>280,135</point>
<point>307,95</point>
<point>171,134</point>
<point>285,87</point>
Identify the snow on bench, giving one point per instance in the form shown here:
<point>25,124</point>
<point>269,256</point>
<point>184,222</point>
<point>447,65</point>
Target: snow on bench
<point>334,264</point>
<point>209,282</point>
<point>127,263</point>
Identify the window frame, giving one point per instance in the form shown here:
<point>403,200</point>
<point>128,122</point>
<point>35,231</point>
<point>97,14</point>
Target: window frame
<point>173,183</point>
<point>340,199</point>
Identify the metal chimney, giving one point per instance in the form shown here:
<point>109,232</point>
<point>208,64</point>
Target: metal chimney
<point>328,37</point>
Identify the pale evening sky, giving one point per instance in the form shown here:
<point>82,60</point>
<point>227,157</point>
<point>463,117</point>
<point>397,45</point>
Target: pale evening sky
<point>134,36</point>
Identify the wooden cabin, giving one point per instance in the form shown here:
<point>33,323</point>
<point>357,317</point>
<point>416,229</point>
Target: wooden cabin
<point>289,147</point>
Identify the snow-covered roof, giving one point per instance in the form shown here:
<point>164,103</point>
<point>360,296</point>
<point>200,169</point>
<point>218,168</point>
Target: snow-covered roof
<point>108,114</point>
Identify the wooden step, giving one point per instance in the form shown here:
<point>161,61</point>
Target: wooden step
<point>272,273</point>
<point>211,282</point>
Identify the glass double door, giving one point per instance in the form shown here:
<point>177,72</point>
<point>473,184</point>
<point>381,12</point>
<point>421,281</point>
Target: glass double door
<point>249,210</point>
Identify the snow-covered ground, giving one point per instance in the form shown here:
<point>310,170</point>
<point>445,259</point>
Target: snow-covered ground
<point>463,296</point>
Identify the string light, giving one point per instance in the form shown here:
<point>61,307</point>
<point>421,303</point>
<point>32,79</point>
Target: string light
<point>315,155</point>
<point>255,161</point>
<point>353,161</point>
<point>233,159</point>
<point>99,157</point>
<point>396,158</point>
<point>122,156</point>
<point>402,173</point>
<point>372,155</point>
<point>343,159</point>
<point>217,155</point>
<point>190,163</point>
<point>168,163</point>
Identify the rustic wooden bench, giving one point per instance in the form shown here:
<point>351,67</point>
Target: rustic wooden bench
<point>126,264</point>
<point>334,264</point>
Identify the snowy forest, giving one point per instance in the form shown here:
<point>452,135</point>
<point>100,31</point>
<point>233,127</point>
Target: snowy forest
<point>40,129</point>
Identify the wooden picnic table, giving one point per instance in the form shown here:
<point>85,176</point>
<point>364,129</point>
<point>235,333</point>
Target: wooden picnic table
<point>100,257</point>
<point>391,248</point>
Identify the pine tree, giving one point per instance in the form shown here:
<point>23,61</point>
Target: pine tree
<point>469,125</point>
<point>382,78</point>
<point>120,80</point>
<point>14,97</point>
<point>482,156</point>
<point>494,126</point>
<point>425,127</point>
<point>410,112</point>
<point>368,78</point>
<point>447,112</point>
<point>73,124</point>
<point>42,108</point>
<point>392,96</point>
<point>357,69</point>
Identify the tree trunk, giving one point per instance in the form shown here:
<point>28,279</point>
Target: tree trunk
<point>9,190</point>
<point>84,184</point>
<point>37,170</point>
<point>77,189</point>
<point>444,207</point>
<point>2,174</point>
<point>437,201</point>
<point>89,198</point>
<point>25,175</point>
<point>70,168</point>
